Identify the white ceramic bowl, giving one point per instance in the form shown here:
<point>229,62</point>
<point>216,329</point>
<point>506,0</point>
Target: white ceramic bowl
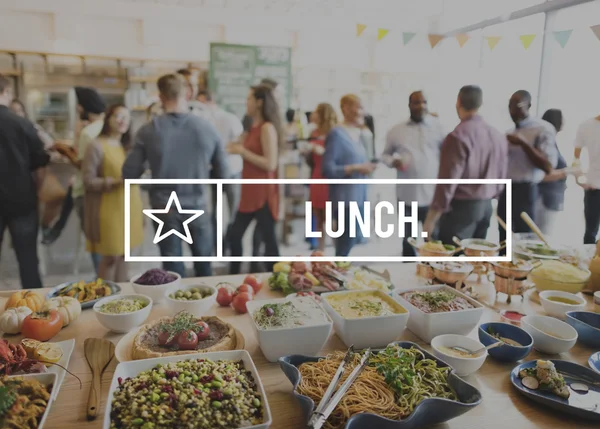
<point>132,369</point>
<point>157,293</point>
<point>278,342</point>
<point>550,335</point>
<point>367,331</point>
<point>199,307</point>
<point>429,325</point>
<point>462,365</point>
<point>558,309</point>
<point>124,322</point>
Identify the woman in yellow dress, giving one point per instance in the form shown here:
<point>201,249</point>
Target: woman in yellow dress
<point>105,196</point>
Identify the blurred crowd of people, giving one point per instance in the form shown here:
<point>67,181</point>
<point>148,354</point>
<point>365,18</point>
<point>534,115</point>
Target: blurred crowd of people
<point>188,136</point>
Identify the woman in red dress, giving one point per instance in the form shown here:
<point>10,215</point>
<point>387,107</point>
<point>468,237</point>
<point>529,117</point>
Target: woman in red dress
<point>325,118</point>
<point>260,152</point>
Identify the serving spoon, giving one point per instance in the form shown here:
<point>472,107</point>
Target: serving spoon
<point>478,351</point>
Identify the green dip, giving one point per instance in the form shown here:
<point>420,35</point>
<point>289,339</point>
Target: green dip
<point>121,306</point>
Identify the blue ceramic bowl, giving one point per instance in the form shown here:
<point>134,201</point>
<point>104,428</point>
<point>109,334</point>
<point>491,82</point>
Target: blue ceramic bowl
<point>506,353</point>
<point>429,412</point>
<point>594,362</point>
<point>587,325</point>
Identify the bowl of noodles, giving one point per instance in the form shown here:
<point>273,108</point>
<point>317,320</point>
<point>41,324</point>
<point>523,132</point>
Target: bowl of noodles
<point>561,276</point>
<point>380,397</point>
<point>432,248</point>
<point>26,399</point>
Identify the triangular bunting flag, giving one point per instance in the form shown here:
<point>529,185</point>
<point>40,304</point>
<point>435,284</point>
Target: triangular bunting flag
<point>596,30</point>
<point>381,33</point>
<point>492,41</point>
<point>526,40</point>
<point>562,37</point>
<point>434,39</point>
<point>407,37</point>
<point>359,29</point>
<point>462,39</point>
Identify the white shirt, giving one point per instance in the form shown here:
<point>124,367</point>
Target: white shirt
<point>588,136</point>
<point>228,126</point>
<point>422,141</point>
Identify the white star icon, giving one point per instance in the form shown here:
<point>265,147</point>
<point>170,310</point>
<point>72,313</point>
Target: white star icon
<point>159,235</point>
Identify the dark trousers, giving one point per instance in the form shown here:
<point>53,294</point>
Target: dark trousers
<point>232,194</point>
<point>202,242</point>
<point>407,249</point>
<point>265,226</point>
<point>591,209</point>
<point>24,233</point>
<point>466,219</point>
<point>345,243</point>
<point>65,212</point>
<point>524,197</point>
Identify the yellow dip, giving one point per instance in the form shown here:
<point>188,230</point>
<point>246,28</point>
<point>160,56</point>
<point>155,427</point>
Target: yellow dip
<point>562,300</point>
<point>360,304</point>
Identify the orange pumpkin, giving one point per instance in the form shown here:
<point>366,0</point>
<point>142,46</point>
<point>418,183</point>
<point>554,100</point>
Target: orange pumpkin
<point>25,299</point>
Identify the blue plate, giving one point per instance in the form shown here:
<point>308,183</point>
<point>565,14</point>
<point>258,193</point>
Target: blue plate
<point>583,405</point>
<point>506,353</point>
<point>594,362</point>
<point>429,412</point>
<point>587,325</point>
<point>115,288</point>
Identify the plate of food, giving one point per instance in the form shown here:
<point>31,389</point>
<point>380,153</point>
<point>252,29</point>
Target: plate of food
<point>385,395</point>
<point>565,386</point>
<point>26,400</point>
<point>87,293</point>
<point>181,334</point>
<point>227,394</point>
<point>34,357</point>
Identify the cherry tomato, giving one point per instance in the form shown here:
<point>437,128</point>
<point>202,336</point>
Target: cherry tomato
<point>163,339</point>
<point>244,289</point>
<point>42,326</point>
<point>254,282</point>
<point>187,340</point>
<point>203,331</point>
<point>240,300</point>
<point>225,296</point>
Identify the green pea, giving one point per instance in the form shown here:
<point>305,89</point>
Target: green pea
<point>217,384</point>
<point>194,290</point>
<point>137,422</point>
<point>155,397</point>
<point>181,377</point>
<point>217,376</point>
<point>256,402</point>
<point>216,404</point>
<point>196,296</point>
<point>187,294</point>
<point>179,294</point>
<point>195,377</point>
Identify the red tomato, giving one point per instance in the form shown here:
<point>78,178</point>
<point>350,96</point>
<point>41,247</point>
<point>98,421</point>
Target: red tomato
<point>240,300</point>
<point>203,330</point>
<point>245,289</point>
<point>42,326</point>
<point>187,340</point>
<point>225,296</point>
<point>253,281</point>
<point>163,339</point>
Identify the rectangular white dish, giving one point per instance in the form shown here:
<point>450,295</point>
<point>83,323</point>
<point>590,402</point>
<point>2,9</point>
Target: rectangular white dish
<point>280,342</point>
<point>365,332</point>
<point>133,368</point>
<point>48,378</point>
<point>427,326</point>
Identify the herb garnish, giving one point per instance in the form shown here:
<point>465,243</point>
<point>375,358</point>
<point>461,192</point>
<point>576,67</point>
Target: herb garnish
<point>182,321</point>
<point>7,399</point>
<point>436,299</point>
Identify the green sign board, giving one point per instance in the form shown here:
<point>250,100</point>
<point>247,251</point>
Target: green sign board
<point>234,68</point>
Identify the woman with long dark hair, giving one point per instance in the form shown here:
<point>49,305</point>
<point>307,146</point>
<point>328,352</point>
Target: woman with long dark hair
<point>260,152</point>
<point>105,196</point>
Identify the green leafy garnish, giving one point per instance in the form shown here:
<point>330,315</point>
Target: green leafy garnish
<point>183,321</point>
<point>279,281</point>
<point>436,299</point>
<point>7,399</point>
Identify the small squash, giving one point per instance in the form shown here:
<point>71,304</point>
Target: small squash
<point>12,319</point>
<point>25,298</point>
<point>69,308</point>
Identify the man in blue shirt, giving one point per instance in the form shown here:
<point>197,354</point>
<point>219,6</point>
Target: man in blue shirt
<point>531,155</point>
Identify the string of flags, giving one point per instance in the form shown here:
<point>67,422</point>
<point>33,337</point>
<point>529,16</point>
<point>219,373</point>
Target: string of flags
<point>562,37</point>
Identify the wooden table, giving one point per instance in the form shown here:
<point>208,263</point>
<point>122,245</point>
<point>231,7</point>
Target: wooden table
<point>502,406</point>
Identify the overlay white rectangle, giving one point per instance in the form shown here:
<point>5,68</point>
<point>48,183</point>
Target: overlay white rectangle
<point>219,215</point>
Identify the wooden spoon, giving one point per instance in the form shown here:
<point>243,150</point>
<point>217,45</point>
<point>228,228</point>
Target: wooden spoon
<point>531,224</point>
<point>98,353</point>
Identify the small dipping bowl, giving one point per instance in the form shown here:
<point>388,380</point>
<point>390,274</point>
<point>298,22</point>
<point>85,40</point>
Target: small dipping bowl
<point>507,352</point>
<point>559,309</point>
<point>512,317</point>
<point>587,325</point>
<point>462,365</point>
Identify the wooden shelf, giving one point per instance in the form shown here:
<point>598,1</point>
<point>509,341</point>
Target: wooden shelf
<point>142,79</point>
<point>10,72</point>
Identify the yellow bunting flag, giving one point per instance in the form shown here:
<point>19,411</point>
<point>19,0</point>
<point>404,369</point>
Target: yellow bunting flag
<point>492,41</point>
<point>527,40</point>
<point>434,39</point>
<point>381,33</point>
<point>462,39</point>
<point>596,30</point>
<point>359,29</point>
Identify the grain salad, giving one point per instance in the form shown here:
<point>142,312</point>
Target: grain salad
<point>192,394</point>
